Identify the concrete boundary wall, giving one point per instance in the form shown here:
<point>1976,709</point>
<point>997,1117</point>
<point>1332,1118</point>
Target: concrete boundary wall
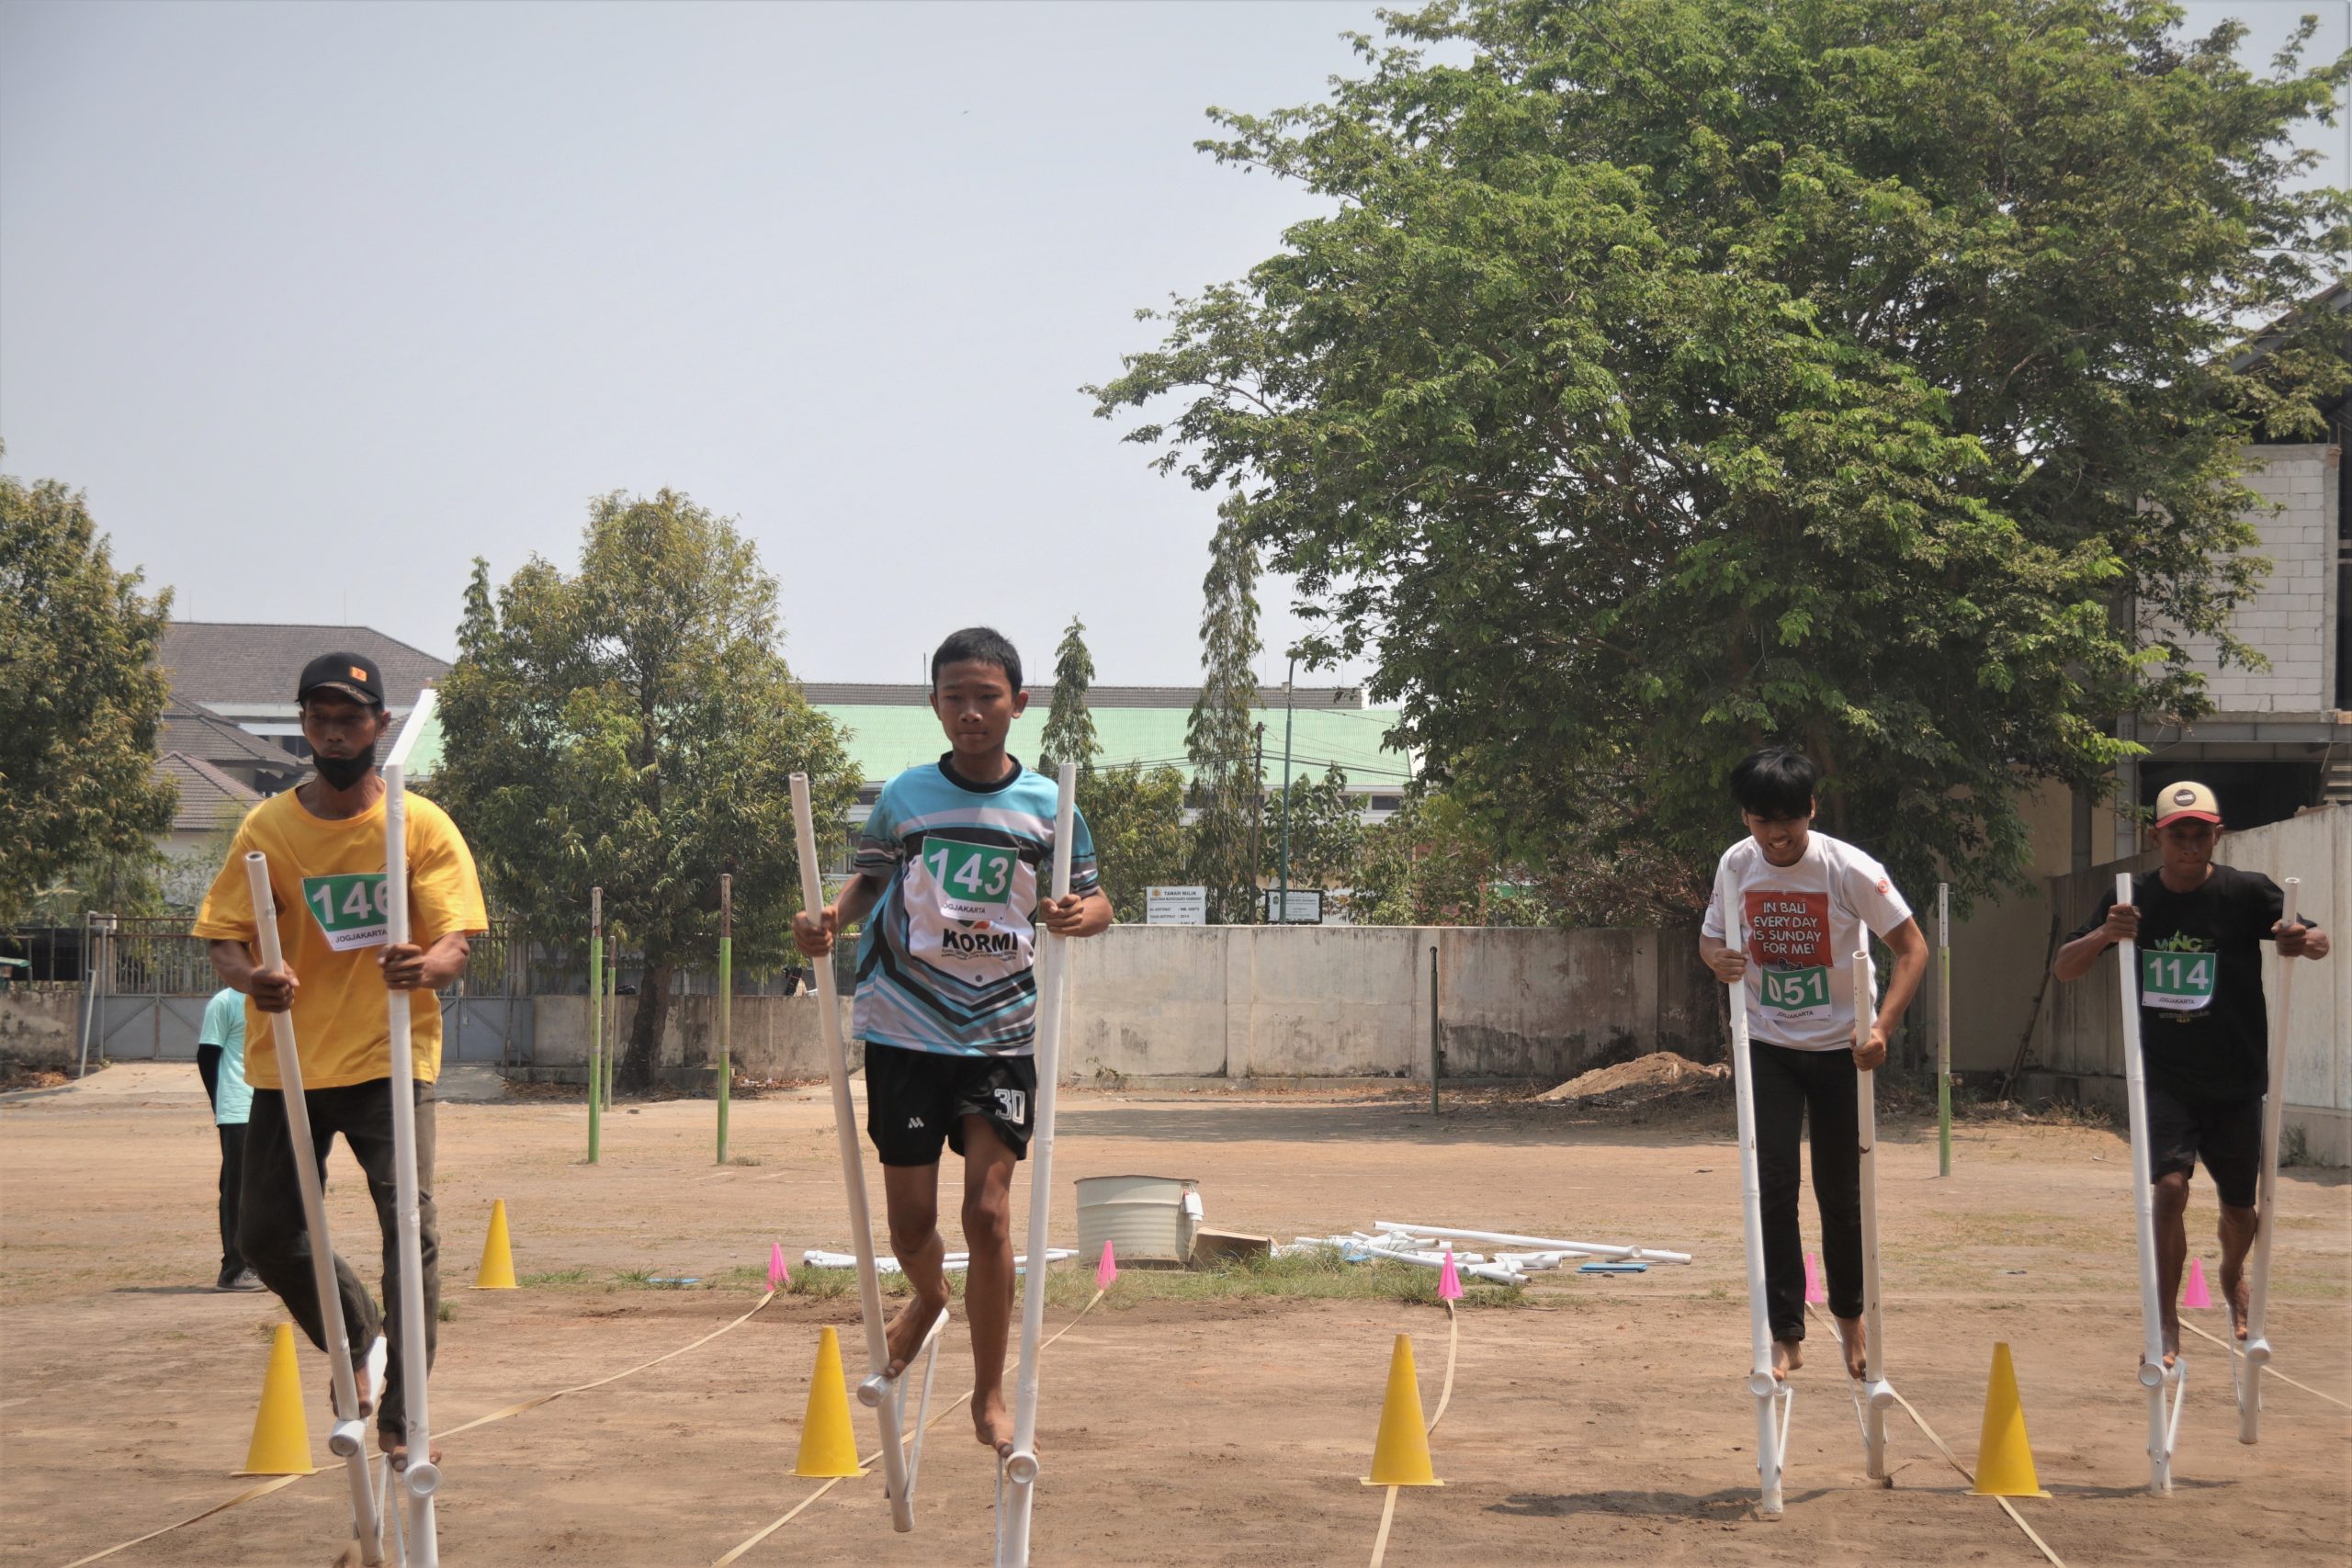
<point>2077,1041</point>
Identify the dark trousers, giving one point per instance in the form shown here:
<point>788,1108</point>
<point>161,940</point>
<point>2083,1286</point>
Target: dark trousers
<point>232,1159</point>
<point>276,1245</point>
<point>1791,1088</point>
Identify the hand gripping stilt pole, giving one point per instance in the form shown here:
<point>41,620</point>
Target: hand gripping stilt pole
<point>422,1478</point>
<point>878,1390</point>
<point>348,1441</point>
<point>2162,1425</point>
<point>2274,1104</point>
<point>1877,1395</point>
<point>1772,1395</point>
<point>1018,1493</point>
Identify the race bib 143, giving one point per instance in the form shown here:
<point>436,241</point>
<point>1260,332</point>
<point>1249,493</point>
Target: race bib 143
<point>352,912</point>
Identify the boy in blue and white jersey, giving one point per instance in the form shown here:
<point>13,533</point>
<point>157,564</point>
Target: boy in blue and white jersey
<point>953,872</point>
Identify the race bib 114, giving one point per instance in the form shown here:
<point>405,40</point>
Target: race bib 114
<point>2177,981</point>
<point>352,912</point>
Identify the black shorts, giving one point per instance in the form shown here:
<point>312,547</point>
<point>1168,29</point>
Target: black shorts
<point>916,1100</point>
<point>2225,1133</point>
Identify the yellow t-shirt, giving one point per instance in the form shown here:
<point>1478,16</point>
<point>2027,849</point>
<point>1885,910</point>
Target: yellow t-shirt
<point>328,879</point>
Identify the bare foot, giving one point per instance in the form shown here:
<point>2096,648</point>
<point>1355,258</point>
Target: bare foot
<point>1787,1357</point>
<point>909,1329</point>
<point>1850,1340</point>
<point>367,1375</point>
<point>395,1447</point>
<point>2240,1295</point>
<point>991,1426</point>
<point>2171,1338</point>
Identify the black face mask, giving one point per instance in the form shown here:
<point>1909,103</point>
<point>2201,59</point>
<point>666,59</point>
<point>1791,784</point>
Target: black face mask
<point>342,772</point>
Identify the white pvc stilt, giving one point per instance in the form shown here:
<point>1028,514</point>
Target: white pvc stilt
<point>877,1388</point>
<point>2152,1375</point>
<point>1772,1395</point>
<point>1535,1243</point>
<point>1877,1395</point>
<point>348,1439</point>
<point>1018,1493</point>
<point>422,1477</point>
<point>2274,1103</point>
<point>876,1391</point>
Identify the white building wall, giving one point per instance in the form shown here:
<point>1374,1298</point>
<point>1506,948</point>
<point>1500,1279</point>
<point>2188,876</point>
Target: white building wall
<point>2291,621</point>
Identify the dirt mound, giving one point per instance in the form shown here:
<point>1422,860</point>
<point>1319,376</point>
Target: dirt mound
<point>1657,1076</point>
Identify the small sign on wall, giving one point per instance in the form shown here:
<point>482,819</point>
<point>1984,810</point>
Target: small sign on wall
<point>1176,906</point>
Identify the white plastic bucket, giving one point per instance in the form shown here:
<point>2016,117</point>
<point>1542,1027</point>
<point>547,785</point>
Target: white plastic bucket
<point>1147,1219</point>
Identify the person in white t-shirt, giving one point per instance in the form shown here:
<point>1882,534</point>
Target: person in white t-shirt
<point>1805,900</point>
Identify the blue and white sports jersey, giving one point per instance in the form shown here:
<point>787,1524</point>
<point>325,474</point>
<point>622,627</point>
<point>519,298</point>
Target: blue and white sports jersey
<point>944,960</point>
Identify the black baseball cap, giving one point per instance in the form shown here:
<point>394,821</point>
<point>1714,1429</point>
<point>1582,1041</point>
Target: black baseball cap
<point>352,675</point>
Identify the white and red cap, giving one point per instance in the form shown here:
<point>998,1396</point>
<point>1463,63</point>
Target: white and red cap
<point>2189,799</point>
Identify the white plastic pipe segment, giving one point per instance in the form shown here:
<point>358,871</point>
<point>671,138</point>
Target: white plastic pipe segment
<point>1533,1243</point>
<point>1769,1390</point>
<point>1020,1468</point>
<point>422,1477</point>
<point>1878,1394</point>
<point>2274,1104</point>
<point>349,1438</point>
<point>2152,1375</point>
<point>861,1223</point>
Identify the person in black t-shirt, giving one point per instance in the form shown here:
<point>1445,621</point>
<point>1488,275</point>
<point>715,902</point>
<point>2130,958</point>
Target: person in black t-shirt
<point>2204,1031</point>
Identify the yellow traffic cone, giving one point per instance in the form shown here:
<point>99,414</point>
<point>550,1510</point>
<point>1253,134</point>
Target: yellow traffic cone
<point>2003,1457</point>
<point>828,1446</point>
<point>1400,1455</point>
<point>281,1444</point>
<point>497,1259</point>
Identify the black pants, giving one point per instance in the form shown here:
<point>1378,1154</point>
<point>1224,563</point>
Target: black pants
<point>276,1245</point>
<point>233,1161</point>
<point>1793,1087</point>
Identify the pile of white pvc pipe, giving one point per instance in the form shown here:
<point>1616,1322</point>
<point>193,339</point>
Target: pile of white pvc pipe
<point>817,1257</point>
<point>1511,1259</point>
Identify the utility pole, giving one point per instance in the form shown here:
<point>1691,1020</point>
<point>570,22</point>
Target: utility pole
<point>1258,812</point>
<point>1290,706</point>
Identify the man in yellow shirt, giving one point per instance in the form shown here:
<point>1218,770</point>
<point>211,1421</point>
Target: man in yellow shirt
<point>325,844</point>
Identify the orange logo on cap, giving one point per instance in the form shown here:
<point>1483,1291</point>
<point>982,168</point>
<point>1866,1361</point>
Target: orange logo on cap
<point>358,673</point>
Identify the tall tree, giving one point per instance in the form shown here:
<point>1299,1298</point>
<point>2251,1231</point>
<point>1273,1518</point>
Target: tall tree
<point>81,698</point>
<point>1070,725</point>
<point>1325,828</point>
<point>633,726</point>
<point>1219,737</point>
<point>1671,376</point>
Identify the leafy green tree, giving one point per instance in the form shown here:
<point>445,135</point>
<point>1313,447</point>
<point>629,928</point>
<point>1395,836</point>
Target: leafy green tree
<point>1667,376</point>
<point>634,725</point>
<point>1137,818</point>
<point>81,698</point>
<point>1069,726</point>
<point>1221,735</point>
<point>1326,831</point>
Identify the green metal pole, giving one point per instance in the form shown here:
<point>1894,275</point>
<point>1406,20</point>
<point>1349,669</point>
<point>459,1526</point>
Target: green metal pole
<point>596,1016</point>
<point>726,1002</point>
<point>1943,1029</point>
<point>1289,708</point>
<point>611,1017</point>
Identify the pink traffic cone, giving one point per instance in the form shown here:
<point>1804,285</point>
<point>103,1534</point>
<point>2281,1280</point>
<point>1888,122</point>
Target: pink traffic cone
<point>1108,1270</point>
<point>779,1275</point>
<point>2197,1295</point>
<point>1814,1290</point>
<point>1449,1282</point>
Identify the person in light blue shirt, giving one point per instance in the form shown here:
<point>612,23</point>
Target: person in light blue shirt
<point>220,1062</point>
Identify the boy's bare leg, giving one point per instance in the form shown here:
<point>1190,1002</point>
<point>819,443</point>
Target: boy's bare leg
<point>1788,1355</point>
<point>2237,1230</point>
<point>910,1197</point>
<point>989,1165</point>
<point>2172,1254</point>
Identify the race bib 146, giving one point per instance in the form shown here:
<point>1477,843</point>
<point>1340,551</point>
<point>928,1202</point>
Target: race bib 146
<point>352,912</point>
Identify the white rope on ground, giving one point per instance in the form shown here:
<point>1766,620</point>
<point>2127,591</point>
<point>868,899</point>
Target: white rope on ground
<point>1930,1433</point>
<point>2267,1371</point>
<point>874,1457</point>
<point>268,1487</point>
<point>1444,1398</point>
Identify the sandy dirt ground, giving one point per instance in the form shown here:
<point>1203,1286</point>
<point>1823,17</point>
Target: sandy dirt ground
<point>1605,1421</point>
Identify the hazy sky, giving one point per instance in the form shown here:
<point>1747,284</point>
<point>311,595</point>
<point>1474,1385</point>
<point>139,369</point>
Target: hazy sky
<point>319,302</point>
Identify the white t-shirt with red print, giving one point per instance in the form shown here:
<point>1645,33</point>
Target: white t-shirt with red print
<point>1801,926</point>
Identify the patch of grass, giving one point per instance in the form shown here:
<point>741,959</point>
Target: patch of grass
<point>449,1312</point>
<point>2295,1148</point>
<point>746,1159</point>
<point>548,1277</point>
<point>1296,1277</point>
